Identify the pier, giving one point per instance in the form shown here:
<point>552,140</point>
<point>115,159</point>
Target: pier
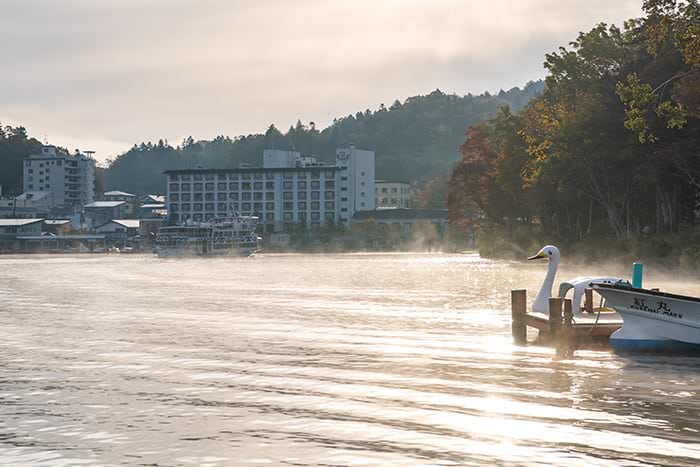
<point>562,328</point>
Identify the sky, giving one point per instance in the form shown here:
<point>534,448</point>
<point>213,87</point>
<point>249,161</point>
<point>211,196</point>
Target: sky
<point>103,75</point>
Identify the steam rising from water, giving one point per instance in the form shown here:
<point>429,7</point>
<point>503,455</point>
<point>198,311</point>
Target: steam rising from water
<point>402,359</point>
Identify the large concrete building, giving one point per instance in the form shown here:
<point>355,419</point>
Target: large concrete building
<point>392,194</point>
<point>70,179</point>
<point>287,190</point>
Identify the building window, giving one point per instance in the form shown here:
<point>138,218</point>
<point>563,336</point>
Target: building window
<point>173,207</point>
<point>315,216</point>
<point>245,196</point>
<point>330,184</point>
<point>186,206</point>
<point>269,185</point>
<point>329,174</point>
<point>288,205</point>
<point>174,197</point>
<point>288,216</point>
<point>197,206</point>
<point>287,185</point>
<point>343,179</point>
<point>362,193</point>
<point>270,216</point>
<point>197,177</point>
<point>315,205</point>
<point>362,183</point>
<point>245,176</point>
<point>302,185</point>
<point>257,185</point>
<point>343,188</point>
<point>329,195</point>
<point>209,176</point>
<point>221,176</point>
<point>315,195</point>
<point>197,187</point>
<point>257,176</point>
<point>258,196</point>
<point>209,207</point>
<point>302,216</point>
<point>221,186</point>
<point>270,206</point>
<point>233,186</point>
<point>245,186</point>
<point>288,175</point>
<point>344,199</point>
<point>329,216</point>
<point>257,207</point>
<point>301,205</point>
<point>209,197</point>
<point>198,197</point>
<point>362,173</point>
<point>221,207</point>
<point>287,195</point>
<point>269,175</point>
<point>209,186</point>
<point>301,195</point>
<point>233,196</point>
<point>245,207</point>
<point>329,205</point>
<point>221,197</point>
<point>343,209</point>
<point>269,195</point>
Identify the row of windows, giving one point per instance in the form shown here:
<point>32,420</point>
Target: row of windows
<point>251,176</point>
<point>248,196</point>
<point>301,206</point>
<point>222,186</point>
<point>269,217</point>
<point>394,189</point>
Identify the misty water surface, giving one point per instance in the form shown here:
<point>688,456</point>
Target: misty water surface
<point>399,359</point>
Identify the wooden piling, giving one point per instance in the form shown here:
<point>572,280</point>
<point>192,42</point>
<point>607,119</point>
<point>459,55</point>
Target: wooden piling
<point>589,300</point>
<point>518,300</point>
<point>555,318</point>
<point>568,336</point>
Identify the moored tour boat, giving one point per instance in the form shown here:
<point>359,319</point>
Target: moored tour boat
<point>233,235</point>
<point>653,320</point>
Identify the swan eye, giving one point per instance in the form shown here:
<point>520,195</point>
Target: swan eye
<point>550,253</point>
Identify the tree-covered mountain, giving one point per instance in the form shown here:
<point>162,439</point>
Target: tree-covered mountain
<point>413,140</point>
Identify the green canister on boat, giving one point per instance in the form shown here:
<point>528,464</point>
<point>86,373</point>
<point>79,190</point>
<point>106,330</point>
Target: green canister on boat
<point>637,272</point>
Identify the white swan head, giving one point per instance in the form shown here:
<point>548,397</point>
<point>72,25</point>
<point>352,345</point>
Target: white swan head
<point>551,253</point>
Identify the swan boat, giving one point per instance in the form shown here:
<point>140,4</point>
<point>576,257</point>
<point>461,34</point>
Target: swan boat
<point>578,285</point>
<point>653,320</point>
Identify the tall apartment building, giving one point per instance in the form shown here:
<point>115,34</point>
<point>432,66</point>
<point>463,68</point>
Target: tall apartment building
<point>69,178</point>
<point>288,189</point>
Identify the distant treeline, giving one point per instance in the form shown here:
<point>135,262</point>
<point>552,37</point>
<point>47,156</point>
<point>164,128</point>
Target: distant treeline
<point>412,140</point>
<point>610,149</point>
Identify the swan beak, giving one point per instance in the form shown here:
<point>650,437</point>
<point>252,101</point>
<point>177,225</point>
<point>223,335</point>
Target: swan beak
<point>539,255</point>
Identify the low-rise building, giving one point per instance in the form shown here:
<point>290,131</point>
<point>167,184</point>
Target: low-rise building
<point>391,227</point>
<point>120,231</point>
<point>101,212</point>
<point>10,229</point>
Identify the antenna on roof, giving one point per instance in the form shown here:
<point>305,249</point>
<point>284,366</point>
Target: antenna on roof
<point>89,153</point>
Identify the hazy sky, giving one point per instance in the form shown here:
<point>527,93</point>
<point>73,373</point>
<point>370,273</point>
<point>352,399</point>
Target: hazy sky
<point>105,74</point>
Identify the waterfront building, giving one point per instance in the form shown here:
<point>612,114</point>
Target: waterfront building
<point>100,212</point>
<point>287,190</point>
<point>120,231</point>
<point>10,229</point>
<point>57,226</point>
<point>392,227</point>
<point>392,194</point>
<point>69,178</point>
<point>31,204</point>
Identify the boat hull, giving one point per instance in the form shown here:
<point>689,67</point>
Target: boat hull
<point>164,252</point>
<point>653,321</point>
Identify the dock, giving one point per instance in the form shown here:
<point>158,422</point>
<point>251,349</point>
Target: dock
<point>562,328</point>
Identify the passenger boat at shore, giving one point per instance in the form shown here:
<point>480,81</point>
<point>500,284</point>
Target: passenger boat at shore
<point>653,320</point>
<point>234,235</point>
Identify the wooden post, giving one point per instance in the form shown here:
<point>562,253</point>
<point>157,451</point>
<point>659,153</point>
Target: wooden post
<point>518,299</point>
<point>569,336</point>
<point>555,320</point>
<point>589,300</point>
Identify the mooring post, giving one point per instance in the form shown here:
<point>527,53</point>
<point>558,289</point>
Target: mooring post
<point>555,318</point>
<point>518,300</point>
<point>569,335</point>
<point>589,300</point>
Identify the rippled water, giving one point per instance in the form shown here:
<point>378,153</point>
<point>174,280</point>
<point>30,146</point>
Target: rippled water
<point>315,360</point>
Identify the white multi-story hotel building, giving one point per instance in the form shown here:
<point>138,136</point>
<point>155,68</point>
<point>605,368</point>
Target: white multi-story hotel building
<point>69,178</point>
<point>388,194</point>
<point>288,189</point>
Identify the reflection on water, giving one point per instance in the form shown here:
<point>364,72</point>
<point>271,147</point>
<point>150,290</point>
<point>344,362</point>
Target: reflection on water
<point>311,360</point>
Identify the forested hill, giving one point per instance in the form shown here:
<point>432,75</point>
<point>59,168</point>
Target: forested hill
<point>412,140</point>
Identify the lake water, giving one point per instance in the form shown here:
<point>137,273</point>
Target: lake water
<point>397,359</point>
